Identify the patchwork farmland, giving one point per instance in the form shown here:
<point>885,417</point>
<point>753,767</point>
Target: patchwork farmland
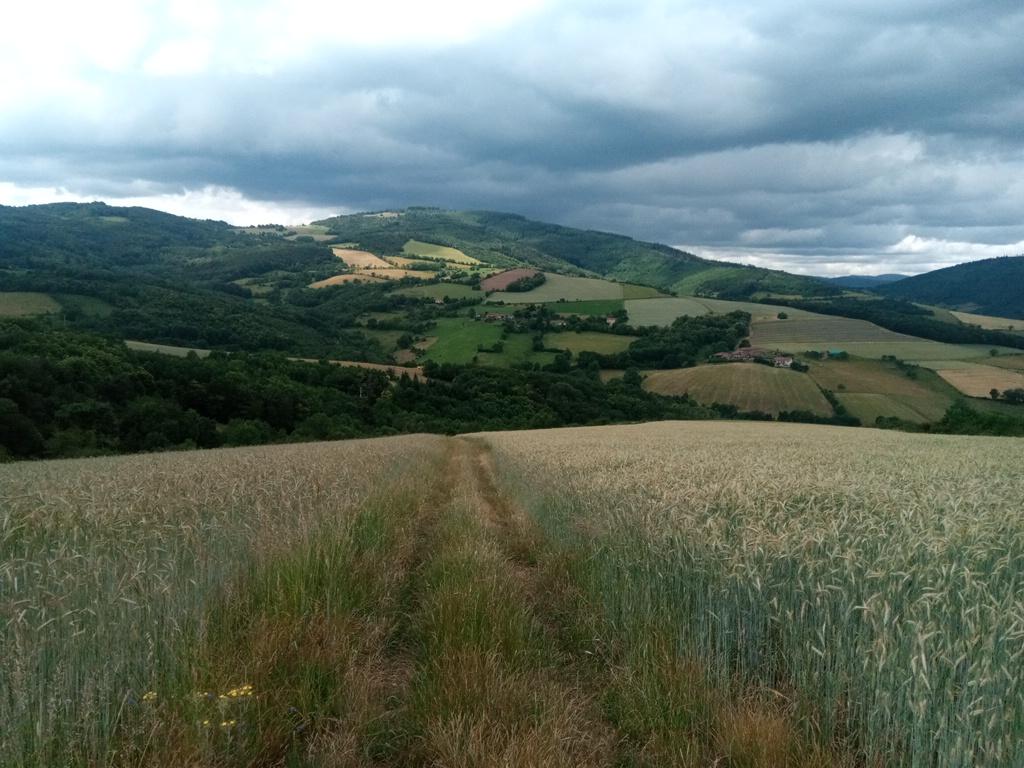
<point>747,386</point>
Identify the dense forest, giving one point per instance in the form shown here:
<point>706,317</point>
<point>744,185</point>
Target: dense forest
<point>66,393</point>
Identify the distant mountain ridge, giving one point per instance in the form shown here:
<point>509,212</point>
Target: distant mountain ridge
<point>864,281</point>
<point>987,287</point>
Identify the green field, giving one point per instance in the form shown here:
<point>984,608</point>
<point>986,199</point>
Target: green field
<point>441,291</point>
<point>748,386</point>
<point>458,339</point>
<point>868,407</point>
<point>834,331</point>
<point>595,308</point>
<point>662,311</point>
<point>165,349</point>
<point>21,304</point>
<point>915,350</point>
<point>558,288</point>
<point>433,251</point>
<point>643,312</point>
<point>631,291</point>
<point>388,340</point>
<point>588,341</point>
<point>517,349</point>
<point>881,382</point>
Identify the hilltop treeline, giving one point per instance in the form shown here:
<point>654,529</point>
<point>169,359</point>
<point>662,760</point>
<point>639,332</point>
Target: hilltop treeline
<point>65,393</point>
<point>988,286</point>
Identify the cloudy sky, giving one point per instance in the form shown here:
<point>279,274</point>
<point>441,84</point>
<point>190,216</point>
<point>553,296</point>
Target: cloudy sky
<point>824,137</point>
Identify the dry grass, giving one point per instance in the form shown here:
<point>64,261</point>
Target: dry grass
<point>980,380</point>
<point>989,322</point>
<point>351,277</point>
<point>360,259</point>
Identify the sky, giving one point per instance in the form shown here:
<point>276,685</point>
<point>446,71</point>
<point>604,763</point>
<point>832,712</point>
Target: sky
<point>819,136</point>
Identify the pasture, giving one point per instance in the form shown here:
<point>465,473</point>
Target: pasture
<point>883,385</point>
<point>25,304</point>
<point>661,312</point>
<point>360,259</point>
<point>593,308</point>
<point>440,252</point>
<point>441,291</point>
<point>1013,362</point>
<point>557,288</point>
<point>989,322</point>
<point>868,407</point>
<point>978,380</point>
<point>748,386</point>
<point>458,339</point>
<point>516,348</point>
<point>166,349</point>
<point>804,332</point>
<point>588,341</point>
<point>915,351</point>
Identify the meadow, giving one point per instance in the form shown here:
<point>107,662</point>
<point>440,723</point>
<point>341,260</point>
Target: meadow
<point>588,341</point>
<point>21,304</point>
<point>828,330</point>
<point>459,338</point>
<point>748,386</point>
<point>671,594</point>
<point>441,252</point>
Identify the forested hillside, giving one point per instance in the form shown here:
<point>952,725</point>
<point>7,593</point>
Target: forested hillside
<point>987,287</point>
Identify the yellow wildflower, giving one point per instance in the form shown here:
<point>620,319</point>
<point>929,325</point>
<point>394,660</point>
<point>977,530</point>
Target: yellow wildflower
<point>238,693</point>
<point>149,696</point>
<point>228,723</point>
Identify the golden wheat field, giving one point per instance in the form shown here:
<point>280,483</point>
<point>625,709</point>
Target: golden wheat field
<point>681,594</point>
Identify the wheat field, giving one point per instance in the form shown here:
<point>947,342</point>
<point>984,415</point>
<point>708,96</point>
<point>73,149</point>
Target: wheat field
<point>872,581</point>
<point>673,594</point>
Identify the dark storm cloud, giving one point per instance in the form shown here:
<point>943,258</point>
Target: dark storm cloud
<point>797,133</point>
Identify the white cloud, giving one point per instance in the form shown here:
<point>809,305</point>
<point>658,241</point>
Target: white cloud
<point>210,202</point>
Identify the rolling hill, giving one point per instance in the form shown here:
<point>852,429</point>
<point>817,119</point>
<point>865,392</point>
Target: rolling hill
<point>987,287</point>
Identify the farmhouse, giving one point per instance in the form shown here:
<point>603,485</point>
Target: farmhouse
<point>755,355</point>
<point>492,317</point>
<point>744,355</point>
